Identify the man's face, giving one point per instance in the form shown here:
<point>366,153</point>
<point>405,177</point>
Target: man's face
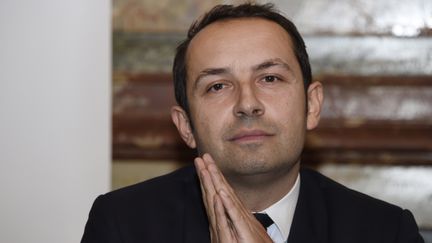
<point>246,97</point>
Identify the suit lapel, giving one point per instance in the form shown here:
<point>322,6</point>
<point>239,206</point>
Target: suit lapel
<point>310,217</point>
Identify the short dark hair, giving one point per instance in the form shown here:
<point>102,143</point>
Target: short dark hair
<point>225,12</point>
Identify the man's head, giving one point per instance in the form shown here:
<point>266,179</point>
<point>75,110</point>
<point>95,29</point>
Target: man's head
<point>244,91</point>
<point>227,12</point>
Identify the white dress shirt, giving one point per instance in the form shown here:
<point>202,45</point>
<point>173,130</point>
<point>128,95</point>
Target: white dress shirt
<point>282,213</point>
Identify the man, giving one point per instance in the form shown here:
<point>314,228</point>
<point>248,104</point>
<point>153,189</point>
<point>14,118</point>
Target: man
<point>246,99</point>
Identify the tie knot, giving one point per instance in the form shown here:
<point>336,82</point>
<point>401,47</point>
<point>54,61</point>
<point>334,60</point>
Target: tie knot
<point>264,219</point>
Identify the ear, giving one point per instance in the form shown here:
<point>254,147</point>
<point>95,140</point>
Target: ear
<point>315,99</point>
<point>181,121</point>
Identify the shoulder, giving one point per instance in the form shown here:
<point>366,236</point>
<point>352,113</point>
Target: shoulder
<point>156,190</point>
<point>161,197</point>
<point>337,194</point>
<point>355,213</point>
<point>139,212</point>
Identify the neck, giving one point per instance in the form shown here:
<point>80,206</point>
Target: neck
<point>258,192</point>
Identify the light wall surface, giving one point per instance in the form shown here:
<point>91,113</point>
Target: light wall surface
<point>54,117</point>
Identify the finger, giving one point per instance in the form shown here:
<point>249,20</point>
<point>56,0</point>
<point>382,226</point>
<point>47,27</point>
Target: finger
<point>208,191</point>
<point>233,212</point>
<point>205,178</point>
<point>219,181</point>
<point>239,225</point>
<point>246,227</point>
<point>224,224</point>
<point>224,229</point>
<point>217,176</point>
<point>199,165</point>
<point>237,208</point>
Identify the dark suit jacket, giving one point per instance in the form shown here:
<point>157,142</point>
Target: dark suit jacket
<point>169,209</point>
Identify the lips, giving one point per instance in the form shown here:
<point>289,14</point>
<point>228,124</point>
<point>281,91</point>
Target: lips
<point>250,135</point>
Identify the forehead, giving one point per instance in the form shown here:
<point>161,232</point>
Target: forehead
<point>241,42</point>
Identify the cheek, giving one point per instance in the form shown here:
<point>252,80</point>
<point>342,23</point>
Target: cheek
<point>293,122</point>
<point>212,112</point>
<point>288,105</point>
<point>209,121</point>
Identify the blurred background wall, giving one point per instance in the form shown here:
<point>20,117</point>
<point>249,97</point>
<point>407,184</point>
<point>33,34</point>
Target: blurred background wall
<point>373,57</point>
<point>55,106</point>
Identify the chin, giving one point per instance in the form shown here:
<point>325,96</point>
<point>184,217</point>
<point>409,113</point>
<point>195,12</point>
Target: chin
<point>252,166</point>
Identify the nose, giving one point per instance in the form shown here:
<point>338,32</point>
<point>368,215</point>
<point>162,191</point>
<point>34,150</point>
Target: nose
<point>248,103</point>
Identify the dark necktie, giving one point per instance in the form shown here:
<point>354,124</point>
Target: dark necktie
<point>264,219</point>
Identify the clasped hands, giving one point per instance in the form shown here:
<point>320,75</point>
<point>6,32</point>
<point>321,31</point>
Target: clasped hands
<point>230,221</point>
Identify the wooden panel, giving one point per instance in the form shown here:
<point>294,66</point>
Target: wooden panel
<point>366,17</point>
<point>142,126</point>
<point>157,16</point>
<point>374,119</point>
<point>370,55</point>
<point>137,53</point>
<point>364,120</point>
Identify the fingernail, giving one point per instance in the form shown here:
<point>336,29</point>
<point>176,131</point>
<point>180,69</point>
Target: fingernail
<point>198,162</point>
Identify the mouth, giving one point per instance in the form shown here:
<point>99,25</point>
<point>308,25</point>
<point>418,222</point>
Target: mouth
<point>250,136</point>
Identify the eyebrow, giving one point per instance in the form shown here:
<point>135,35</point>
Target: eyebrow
<point>271,63</point>
<point>209,72</point>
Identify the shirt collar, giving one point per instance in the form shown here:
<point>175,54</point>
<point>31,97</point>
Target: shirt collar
<point>282,212</point>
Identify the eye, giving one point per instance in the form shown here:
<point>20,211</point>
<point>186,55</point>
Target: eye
<point>216,87</point>
<point>270,79</point>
